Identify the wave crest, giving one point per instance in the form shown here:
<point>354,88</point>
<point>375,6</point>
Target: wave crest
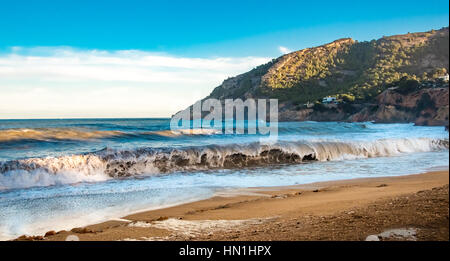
<point>115,164</point>
<point>9,135</point>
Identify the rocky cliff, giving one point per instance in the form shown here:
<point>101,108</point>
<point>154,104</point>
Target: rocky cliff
<point>423,107</point>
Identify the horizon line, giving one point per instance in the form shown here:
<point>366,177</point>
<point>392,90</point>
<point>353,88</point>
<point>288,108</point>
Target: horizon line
<point>87,118</point>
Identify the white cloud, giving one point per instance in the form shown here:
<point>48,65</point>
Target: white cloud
<point>284,50</point>
<point>66,82</point>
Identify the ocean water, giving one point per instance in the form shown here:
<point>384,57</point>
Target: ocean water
<point>59,174</point>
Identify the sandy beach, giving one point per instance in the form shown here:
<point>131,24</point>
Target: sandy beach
<point>413,207</point>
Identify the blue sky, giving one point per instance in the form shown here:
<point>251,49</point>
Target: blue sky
<point>231,36</point>
<point>187,26</point>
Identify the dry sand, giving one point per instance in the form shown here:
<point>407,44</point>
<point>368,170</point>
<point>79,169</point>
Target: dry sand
<point>413,207</point>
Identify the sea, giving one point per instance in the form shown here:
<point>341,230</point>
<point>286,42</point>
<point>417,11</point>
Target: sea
<point>63,173</point>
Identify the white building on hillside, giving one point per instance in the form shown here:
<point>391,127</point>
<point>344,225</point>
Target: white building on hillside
<point>445,77</point>
<point>329,99</point>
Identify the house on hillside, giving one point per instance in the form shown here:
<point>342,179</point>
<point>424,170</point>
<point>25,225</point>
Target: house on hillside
<point>444,77</point>
<point>329,99</point>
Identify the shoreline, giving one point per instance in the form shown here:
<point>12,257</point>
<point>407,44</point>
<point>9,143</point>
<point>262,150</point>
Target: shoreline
<point>257,213</point>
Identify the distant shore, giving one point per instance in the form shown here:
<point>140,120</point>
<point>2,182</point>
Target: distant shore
<point>412,207</point>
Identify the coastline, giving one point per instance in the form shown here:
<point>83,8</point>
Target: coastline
<point>334,210</point>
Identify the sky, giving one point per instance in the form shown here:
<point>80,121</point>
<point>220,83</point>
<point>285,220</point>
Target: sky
<point>88,59</point>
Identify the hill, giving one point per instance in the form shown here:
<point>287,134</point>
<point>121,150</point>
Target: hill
<point>356,72</point>
<point>360,70</point>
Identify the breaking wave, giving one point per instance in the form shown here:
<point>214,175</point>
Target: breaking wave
<point>108,164</point>
<point>58,134</point>
<point>189,132</point>
<point>9,135</point>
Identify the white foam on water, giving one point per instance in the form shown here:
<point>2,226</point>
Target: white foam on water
<point>73,189</point>
<point>109,164</point>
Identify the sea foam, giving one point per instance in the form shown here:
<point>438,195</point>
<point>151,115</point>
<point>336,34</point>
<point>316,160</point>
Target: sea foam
<point>108,163</point>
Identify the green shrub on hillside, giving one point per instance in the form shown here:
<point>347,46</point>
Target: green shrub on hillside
<point>353,71</point>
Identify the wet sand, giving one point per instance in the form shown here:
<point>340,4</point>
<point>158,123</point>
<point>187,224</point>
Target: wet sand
<point>413,207</point>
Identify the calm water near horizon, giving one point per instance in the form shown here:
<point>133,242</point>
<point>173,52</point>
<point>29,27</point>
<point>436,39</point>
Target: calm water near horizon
<point>58,174</point>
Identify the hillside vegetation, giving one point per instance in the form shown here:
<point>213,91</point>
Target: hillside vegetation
<point>352,70</point>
